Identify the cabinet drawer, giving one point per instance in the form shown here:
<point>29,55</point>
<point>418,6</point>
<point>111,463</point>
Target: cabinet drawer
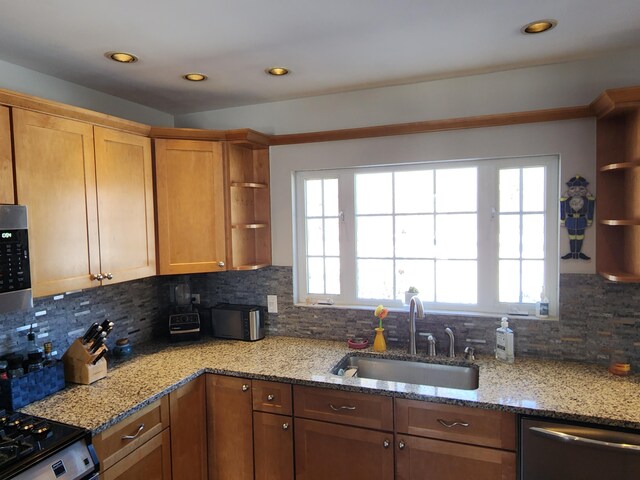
<point>350,408</point>
<point>112,444</point>
<point>272,397</point>
<point>475,426</point>
<point>152,460</point>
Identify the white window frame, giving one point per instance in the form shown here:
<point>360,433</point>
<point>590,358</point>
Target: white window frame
<point>488,225</point>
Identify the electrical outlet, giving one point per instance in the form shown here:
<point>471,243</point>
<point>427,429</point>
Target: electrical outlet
<point>195,298</point>
<point>272,303</point>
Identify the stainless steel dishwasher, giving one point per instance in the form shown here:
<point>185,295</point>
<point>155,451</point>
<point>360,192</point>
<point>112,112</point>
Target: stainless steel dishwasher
<point>554,450</point>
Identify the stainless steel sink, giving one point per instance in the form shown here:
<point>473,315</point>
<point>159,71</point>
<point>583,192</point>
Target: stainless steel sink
<point>409,371</point>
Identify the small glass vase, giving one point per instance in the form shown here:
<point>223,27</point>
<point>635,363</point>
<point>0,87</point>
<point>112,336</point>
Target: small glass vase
<point>379,345</point>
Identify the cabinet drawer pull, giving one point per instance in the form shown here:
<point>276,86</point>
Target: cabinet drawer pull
<point>386,443</point>
<point>401,445</point>
<point>341,407</point>
<point>270,397</point>
<point>131,437</point>
<point>285,426</point>
<point>444,423</point>
<point>245,387</point>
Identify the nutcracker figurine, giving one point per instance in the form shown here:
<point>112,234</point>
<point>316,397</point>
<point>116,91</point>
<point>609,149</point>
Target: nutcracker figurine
<point>576,214</point>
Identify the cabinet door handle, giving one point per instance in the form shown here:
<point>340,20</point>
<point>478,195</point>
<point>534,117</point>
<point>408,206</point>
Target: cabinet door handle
<point>386,443</point>
<point>108,276</point>
<point>221,264</point>
<point>444,423</point>
<point>97,277</point>
<point>341,407</point>
<point>270,397</point>
<point>285,426</point>
<point>245,387</point>
<point>131,437</point>
<point>401,445</point>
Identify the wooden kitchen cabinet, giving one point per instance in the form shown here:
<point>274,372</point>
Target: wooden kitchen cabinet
<point>273,446</point>
<point>90,216</point>
<point>150,461</point>
<point>326,450</point>
<point>126,222</point>
<point>127,436</point>
<point>618,184</point>
<point>229,428</point>
<point>249,212</point>
<point>188,416</point>
<point>7,194</point>
<point>190,199</point>
<point>418,458</point>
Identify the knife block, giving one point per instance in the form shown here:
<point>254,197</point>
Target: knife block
<point>78,367</point>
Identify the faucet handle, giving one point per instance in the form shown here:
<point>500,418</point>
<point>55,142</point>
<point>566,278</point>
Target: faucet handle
<point>469,354</point>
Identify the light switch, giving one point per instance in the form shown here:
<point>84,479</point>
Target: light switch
<point>272,303</point>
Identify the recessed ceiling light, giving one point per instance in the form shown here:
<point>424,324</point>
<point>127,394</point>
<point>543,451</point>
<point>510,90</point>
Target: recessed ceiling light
<point>194,77</point>
<point>539,26</point>
<point>277,71</point>
<point>122,57</point>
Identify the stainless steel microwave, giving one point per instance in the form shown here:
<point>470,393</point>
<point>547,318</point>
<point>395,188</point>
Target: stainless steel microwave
<point>239,322</point>
<point>15,275</point>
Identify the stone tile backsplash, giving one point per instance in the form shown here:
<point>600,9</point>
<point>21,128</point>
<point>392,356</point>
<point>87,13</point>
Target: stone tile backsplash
<point>598,318</point>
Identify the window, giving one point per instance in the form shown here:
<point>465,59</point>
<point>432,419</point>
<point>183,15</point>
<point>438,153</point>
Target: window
<point>469,235</point>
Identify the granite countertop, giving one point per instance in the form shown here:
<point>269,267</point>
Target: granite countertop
<point>557,389</point>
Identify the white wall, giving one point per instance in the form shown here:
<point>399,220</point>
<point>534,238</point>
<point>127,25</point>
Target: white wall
<point>30,82</point>
<point>573,140</point>
<point>549,86</point>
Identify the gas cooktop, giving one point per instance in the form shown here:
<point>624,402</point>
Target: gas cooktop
<point>33,447</point>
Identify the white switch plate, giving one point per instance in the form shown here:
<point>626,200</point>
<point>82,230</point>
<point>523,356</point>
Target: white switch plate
<point>272,303</point>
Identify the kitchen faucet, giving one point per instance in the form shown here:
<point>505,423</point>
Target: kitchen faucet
<point>414,304</point>
<point>452,351</point>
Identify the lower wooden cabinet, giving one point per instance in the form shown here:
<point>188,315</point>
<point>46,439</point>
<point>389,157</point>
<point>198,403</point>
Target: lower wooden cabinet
<point>151,461</point>
<point>229,428</point>
<point>273,446</point>
<point>418,458</point>
<point>188,410</point>
<point>339,452</point>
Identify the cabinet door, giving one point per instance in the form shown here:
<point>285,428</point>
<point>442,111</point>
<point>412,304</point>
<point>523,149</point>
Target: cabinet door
<point>55,179</point>
<point>6,163</point>
<point>189,430</point>
<point>229,428</point>
<point>190,203</point>
<point>125,205</point>
<point>339,452</point>
<point>273,446</point>
<point>151,461</point>
<point>418,458</point>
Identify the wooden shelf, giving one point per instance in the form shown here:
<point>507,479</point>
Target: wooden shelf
<point>249,185</point>
<point>619,222</point>
<point>624,277</point>
<point>620,166</point>
<point>250,225</point>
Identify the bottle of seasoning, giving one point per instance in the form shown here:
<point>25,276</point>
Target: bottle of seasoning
<point>48,358</point>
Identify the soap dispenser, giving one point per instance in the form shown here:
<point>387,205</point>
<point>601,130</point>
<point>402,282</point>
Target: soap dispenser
<point>504,342</point>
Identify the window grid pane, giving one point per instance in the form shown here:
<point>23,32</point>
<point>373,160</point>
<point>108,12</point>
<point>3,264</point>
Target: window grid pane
<point>322,236</point>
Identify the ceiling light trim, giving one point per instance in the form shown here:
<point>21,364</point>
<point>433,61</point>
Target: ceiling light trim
<point>278,71</point>
<point>195,77</point>
<point>539,26</point>
<point>122,57</point>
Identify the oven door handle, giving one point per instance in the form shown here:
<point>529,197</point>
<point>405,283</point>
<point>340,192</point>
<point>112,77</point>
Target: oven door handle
<point>565,437</point>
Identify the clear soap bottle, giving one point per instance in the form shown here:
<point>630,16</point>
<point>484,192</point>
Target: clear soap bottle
<point>504,342</point>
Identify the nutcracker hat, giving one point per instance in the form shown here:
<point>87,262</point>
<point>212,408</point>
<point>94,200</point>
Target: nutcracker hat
<point>577,181</point>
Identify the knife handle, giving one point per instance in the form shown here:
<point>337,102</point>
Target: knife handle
<point>91,331</point>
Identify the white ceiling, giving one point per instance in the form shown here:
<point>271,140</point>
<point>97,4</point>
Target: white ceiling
<point>329,45</point>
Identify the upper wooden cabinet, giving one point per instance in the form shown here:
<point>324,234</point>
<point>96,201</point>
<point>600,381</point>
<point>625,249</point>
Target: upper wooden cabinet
<point>7,194</point>
<point>249,212</point>
<point>190,206</point>
<point>618,184</point>
<point>125,205</point>
<point>77,201</point>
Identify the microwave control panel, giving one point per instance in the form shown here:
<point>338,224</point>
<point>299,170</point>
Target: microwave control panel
<point>14,260</point>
